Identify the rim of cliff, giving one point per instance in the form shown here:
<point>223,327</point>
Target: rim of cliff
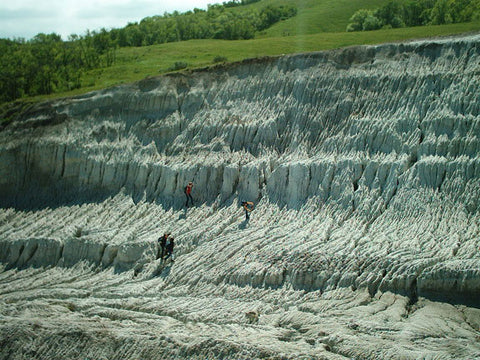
<point>28,109</point>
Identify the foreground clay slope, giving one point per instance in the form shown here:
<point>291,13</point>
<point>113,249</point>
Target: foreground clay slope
<point>364,243</point>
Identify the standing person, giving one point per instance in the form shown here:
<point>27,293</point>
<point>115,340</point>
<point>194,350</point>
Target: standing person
<point>188,193</point>
<point>248,206</point>
<point>162,242</point>
<point>169,248</point>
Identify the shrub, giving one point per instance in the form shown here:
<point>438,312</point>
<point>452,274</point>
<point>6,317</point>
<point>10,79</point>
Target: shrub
<point>371,23</point>
<point>357,20</point>
<point>395,14</point>
<point>440,13</point>
<point>178,65</point>
<point>219,59</point>
<point>353,27</point>
<point>397,22</point>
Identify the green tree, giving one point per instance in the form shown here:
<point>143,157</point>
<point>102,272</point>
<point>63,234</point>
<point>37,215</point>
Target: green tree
<point>390,15</point>
<point>11,71</point>
<point>357,19</point>
<point>474,10</point>
<point>135,36</point>
<point>464,10</point>
<point>102,41</point>
<point>416,13</point>
<point>371,22</point>
<point>46,50</point>
<point>440,13</point>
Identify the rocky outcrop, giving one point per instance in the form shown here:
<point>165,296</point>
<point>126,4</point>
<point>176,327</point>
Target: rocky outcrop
<point>363,166</point>
<point>374,139</point>
<point>342,126</point>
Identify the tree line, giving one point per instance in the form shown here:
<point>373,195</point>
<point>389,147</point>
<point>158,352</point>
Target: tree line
<point>46,64</point>
<point>234,3</point>
<point>397,14</point>
<point>217,22</point>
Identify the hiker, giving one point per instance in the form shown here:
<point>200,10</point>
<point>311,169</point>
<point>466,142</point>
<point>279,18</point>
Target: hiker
<point>169,248</point>
<point>188,193</point>
<point>162,241</point>
<point>248,206</point>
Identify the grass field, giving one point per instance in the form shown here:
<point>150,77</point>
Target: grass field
<point>318,16</point>
<point>137,63</point>
<point>319,25</point>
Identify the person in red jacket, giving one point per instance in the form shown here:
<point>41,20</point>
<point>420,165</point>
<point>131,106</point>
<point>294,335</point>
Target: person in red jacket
<point>188,193</point>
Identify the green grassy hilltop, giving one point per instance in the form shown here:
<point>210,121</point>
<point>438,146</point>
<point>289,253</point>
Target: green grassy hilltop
<point>137,63</point>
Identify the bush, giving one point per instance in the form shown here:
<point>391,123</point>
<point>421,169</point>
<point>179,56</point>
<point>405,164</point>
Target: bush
<point>440,13</point>
<point>178,65</point>
<point>360,15</point>
<point>219,59</point>
<point>354,27</point>
<point>397,14</point>
<point>387,13</point>
<point>371,23</point>
<point>357,20</point>
<point>397,22</point>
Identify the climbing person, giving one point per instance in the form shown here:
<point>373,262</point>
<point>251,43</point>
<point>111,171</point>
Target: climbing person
<point>248,206</point>
<point>162,242</point>
<point>188,193</point>
<point>169,248</point>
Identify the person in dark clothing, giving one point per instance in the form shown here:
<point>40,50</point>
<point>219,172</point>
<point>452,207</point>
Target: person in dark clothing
<point>248,207</point>
<point>162,242</point>
<point>188,193</point>
<point>169,248</point>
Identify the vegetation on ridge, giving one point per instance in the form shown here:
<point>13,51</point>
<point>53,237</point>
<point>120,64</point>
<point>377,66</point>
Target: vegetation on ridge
<point>397,14</point>
<point>46,64</point>
<point>96,60</point>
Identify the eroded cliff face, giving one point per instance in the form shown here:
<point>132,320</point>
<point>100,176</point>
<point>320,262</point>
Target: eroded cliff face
<point>341,126</point>
<point>363,163</point>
